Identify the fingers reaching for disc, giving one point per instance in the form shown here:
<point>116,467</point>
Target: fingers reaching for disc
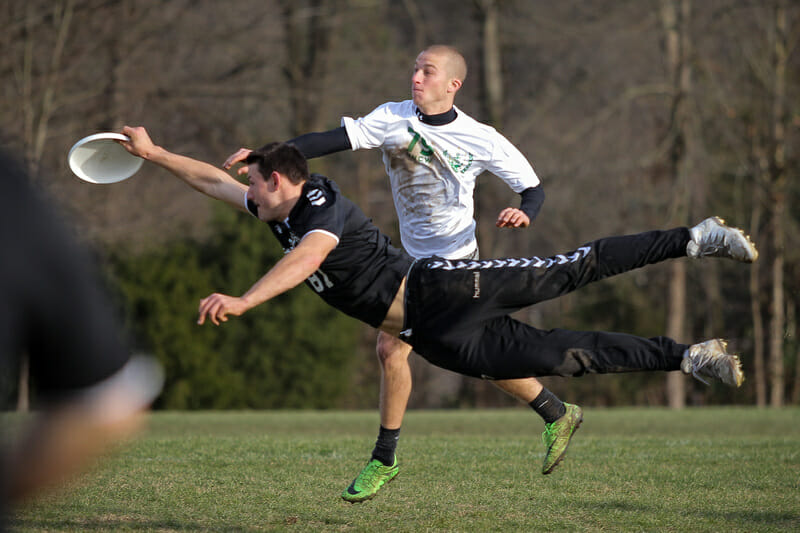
<point>139,143</point>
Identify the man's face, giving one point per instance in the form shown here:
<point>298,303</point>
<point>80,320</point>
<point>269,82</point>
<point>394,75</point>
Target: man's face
<point>262,193</point>
<point>432,87</point>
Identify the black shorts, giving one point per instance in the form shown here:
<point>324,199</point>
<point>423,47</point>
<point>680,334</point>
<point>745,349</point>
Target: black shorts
<point>457,312</point>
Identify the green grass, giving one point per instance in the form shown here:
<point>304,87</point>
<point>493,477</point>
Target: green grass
<point>720,469</point>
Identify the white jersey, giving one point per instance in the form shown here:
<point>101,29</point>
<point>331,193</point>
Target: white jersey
<point>433,170</point>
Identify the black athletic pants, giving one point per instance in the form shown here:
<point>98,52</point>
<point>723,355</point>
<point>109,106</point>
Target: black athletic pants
<point>457,312</point>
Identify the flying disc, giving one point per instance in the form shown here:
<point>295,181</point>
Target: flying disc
<point>99,158</point>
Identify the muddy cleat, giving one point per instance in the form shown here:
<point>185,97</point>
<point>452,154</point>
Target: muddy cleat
<point>712,238</point>
<point>557,435</point>
<point>711,360</point>
<point>369,481</point>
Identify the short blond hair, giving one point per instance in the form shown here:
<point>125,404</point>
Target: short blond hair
<point>456,64</point>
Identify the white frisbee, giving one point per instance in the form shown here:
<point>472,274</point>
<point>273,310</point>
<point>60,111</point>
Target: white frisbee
<point>99,158</point>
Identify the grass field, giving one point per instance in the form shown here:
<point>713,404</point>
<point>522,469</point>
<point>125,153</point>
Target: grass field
<point>715,469</point>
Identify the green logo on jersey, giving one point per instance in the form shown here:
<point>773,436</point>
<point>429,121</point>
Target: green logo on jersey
<point>419,148</point>
<point>459,162</point>
<point>421,151</point>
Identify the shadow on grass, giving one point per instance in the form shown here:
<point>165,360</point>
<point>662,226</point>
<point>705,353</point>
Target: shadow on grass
<point>746,518</point>
<point>112,524</point>
<point>789,521</point>
<point>133,524</point>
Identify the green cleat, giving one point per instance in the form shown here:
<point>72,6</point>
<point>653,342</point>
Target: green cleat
<point>369,481</point>
<point>557,435</point>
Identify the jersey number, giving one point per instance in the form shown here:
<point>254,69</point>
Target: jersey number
<point>319,281</point>
<point>422,152</point>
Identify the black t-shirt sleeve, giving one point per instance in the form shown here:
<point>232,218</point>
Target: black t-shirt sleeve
<point>531,201</point>
<point>322,212</point>
<point>317,144</point>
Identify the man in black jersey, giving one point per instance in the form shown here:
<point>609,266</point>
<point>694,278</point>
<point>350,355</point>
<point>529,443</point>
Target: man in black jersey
<point>454,313</point>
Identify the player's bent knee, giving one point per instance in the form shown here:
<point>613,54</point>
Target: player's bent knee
<point>392,351</point>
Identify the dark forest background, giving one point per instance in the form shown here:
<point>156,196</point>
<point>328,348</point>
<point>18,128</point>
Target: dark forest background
<point>635,114</point>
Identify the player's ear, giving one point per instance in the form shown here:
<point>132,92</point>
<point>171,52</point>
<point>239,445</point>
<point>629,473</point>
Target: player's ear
<point>277,180</point>
<point>455,84</point>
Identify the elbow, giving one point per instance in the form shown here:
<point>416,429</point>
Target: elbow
<point>309,263</point>
<point>314,262</point>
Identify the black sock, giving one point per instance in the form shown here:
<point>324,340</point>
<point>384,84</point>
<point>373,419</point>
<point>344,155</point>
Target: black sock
<point>386,445</point>
<point>548,406</point>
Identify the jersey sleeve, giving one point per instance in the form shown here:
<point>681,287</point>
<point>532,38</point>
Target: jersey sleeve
<point>322,143</point>
<point>322,213</point>
<point>508,164</point>
<point>369,131</point>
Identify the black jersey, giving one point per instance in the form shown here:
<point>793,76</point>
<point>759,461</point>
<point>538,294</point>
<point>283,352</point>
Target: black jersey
<point>361,276</point>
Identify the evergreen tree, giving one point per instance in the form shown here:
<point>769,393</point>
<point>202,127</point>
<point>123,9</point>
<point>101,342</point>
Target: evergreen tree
<point>294,351</point>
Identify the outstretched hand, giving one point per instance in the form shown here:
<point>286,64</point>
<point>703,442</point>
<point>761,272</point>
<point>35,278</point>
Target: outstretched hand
<point>512,218</point>
<point>237,157</point>
<point>217,306</point>
<point>140,143</point>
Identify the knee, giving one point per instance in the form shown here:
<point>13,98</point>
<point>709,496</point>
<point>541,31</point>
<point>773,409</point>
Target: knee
<point>392,352</point>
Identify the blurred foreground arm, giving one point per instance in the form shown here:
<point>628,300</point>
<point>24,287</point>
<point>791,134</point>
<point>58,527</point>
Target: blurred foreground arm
<point>89,391</point>
<point>67,435</point>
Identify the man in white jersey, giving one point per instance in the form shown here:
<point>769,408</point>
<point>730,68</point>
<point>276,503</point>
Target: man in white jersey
<point>433,168</point>
<point>433,152</point>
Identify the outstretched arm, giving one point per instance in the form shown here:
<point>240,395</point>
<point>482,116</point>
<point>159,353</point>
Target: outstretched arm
<point>311,145</point>
<point>201,176</point>
<point>294,268</point>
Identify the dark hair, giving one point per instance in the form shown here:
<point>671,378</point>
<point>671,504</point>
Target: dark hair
<point>283,158</point>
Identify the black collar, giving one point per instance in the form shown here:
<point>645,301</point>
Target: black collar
<point>438,120</point>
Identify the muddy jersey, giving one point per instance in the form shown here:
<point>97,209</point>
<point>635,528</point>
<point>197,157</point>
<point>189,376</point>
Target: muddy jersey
<point>362,274</point>
<point>433,169</point>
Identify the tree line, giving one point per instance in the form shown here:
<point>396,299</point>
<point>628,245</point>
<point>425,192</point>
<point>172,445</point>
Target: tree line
<point>634,114</point>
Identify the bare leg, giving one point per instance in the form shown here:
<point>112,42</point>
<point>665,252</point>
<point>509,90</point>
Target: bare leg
<point>395,379</point>
<point>525,390</point>
<point>395,391</point>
